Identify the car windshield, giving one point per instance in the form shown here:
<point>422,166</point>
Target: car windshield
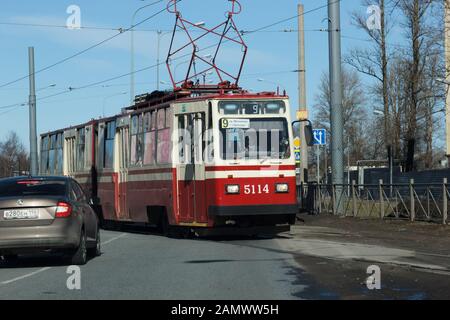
<point>254,139</point>
<point>21,188</point>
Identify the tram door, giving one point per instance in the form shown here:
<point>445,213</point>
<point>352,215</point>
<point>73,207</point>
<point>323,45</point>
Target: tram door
<point>191,168</point>
<point>121,173</point>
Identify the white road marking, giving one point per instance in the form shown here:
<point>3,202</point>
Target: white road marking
<point>48,268</point>
<point>114,239</point>
<point>26,276</point>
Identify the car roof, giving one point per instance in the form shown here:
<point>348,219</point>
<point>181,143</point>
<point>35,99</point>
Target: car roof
<point>40,178</point>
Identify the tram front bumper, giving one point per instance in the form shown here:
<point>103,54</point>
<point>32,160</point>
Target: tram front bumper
<point>254,210</point>
<point>253,216</point>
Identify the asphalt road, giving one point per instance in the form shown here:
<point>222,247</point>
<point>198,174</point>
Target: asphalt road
<point>145,266</point>
<point>308,263</point>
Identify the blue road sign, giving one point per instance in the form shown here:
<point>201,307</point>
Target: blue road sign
<point>320,137</point>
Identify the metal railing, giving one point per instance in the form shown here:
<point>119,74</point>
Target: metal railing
<point>414,202</point>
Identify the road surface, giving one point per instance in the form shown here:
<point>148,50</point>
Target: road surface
<point>306,264</point>
<point>145,266</point>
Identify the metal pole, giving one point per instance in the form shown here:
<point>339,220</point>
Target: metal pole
<point>302,90</point>
<point>132,64</point>
<point>32,106</point>
<point>444,202</point>
<point>348,163</point>
<point>326,163</point>
<point>318,163</point>
<point>337,132</point>
<point>412,201</point>
<point>447,75</point>
<point>159,32</point>
<point>132,67</point>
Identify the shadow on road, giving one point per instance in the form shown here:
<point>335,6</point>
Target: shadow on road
<point>185,233</point>
<point>40,260</point>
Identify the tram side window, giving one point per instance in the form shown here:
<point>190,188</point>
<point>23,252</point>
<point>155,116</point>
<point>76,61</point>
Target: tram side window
<point>52,155</point>
<point>108,156</point>
<point>137,140</point>
<point>56,154</point>
<point>181,139</point>
<point>71,158</point>
<point>163,136</point>
<point>149,138</point>
<point>44,154</point>
<point>81,145</point>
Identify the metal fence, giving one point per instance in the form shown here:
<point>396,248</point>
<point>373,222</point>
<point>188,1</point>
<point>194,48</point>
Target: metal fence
<point>411,201</point>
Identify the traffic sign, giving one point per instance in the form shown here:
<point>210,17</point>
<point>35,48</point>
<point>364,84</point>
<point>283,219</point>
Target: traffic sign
<point>320,137</point>
<point>297,143</point>
<point>297,156</point>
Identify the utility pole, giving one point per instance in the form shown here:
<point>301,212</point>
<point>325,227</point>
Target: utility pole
<point>337,121</point>
<point>159,34</point>
<point>32,110</point>
<point>302,92</point>
<point>447,77</point>
<point>318,163</point>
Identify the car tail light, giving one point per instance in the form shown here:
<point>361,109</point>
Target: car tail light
<point>63,210</point>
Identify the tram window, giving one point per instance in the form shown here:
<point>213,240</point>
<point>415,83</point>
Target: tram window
<point>169,115</point>
<point>161,121</point>
<point>81,144</point>
<point>147,122</point>
<point>44,154</point>
<point>108,156</point>
<point>153,120</point>
<point>265,139</point>
<point>230,108</point>
<point>163,146</point>
<point>181,139</point>
<point>137,140</point>
<point>70,144</point>
<point>149,139</point>
<point>274,108</point>
<point>56,154</point>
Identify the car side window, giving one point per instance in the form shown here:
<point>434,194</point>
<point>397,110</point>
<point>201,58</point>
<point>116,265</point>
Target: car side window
<point>72,193</point>
<point>79,192</point>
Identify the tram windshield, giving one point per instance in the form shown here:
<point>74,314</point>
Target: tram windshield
<point>257,138</point>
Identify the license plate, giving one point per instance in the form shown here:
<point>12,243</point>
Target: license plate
<point>21,214</point>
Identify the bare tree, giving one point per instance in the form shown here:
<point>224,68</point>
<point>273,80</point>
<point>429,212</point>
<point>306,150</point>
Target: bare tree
<point>355,114</point>
<point>425,36</point>
<point>374,61</point>
<point>13,156</point>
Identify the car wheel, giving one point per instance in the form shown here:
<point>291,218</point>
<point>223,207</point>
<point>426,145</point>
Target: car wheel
<point>79,256</point>
<point>97,250</point>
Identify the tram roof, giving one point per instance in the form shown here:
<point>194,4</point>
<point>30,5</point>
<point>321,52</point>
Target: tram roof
<point>159,99</point>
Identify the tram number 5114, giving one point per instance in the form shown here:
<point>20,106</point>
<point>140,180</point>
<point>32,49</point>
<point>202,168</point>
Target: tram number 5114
<point>256,189</point>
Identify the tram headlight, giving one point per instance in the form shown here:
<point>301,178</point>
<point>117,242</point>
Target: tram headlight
<point>282,188</point>
<point>232,189</point>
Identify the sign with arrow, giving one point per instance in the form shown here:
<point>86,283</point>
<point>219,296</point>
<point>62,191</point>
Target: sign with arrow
<point>320,137</point>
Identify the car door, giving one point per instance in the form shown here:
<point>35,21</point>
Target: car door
<point>89,216</point>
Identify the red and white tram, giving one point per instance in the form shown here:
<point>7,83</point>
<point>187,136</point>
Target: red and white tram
<point>201,158</point>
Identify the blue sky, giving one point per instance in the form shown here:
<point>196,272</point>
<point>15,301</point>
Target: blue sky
<point>271,54</point>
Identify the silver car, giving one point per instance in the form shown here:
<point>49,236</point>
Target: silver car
<point>47,214</point>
